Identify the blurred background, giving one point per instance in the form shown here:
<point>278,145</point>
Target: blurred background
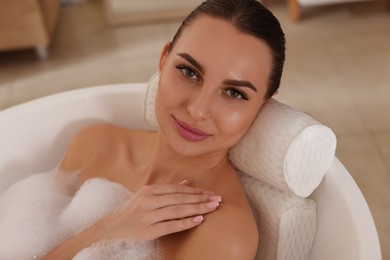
<point>337,68</point>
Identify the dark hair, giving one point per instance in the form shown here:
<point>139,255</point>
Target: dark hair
<point>251,17</point>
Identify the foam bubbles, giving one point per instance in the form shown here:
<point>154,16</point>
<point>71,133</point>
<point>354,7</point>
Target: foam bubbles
<point>121,249</point>
<point>95,199</point>
<point>28,213</point>
<point>43,210</point>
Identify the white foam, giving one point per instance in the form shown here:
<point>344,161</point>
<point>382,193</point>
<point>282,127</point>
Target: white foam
<point>28,212</point>
<point>43,210</point>
<point>95,199</point>
<point>119,250</point>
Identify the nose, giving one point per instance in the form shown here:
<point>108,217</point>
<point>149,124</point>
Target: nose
<point>199,107</point>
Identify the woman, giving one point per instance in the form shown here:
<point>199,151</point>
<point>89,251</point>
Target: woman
<point>223,64</point>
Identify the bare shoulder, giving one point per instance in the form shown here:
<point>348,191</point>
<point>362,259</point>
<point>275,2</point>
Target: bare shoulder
<point>95,142</point>
<point>228,233</point>
<point>238,236</point>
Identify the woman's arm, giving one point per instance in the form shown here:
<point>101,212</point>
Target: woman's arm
<point>72,246</point>
<point>230,234</point>
<point>154,211</point>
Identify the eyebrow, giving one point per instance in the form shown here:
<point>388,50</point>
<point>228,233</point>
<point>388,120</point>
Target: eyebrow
<point>237,83</point>
<point>191,60</point>
<point>240,83</point>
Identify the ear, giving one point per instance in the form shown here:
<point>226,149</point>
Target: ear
<point>164,54</point>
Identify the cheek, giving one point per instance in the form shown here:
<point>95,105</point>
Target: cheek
<point>168,98</point>
<point>235,123</point>
<point>162,104</point>
<point>169,95</point>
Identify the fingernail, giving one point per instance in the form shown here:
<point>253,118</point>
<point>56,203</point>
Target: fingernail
<point>212,204</point>
<point>206,192</point>
<point>198,219</point>
<point>185,182</point>
<point>215,198</point>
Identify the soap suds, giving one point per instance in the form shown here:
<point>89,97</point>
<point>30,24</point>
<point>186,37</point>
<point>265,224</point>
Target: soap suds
<point>42,211</point>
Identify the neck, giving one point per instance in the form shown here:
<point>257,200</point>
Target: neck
<point>167,166</point>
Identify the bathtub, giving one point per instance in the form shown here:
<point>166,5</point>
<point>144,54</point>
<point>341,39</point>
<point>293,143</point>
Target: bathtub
<point>34,136</point>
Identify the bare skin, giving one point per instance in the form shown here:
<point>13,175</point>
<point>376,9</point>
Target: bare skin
<point>179,182</point>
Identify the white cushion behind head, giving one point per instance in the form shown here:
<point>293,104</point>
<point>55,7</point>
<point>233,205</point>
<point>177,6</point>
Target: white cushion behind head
<point>285,148</point>
<point>151,93</point>
<point>286,223</point>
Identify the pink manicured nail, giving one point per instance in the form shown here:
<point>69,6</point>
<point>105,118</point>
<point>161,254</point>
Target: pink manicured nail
<point>185,182</point>
<point>198,219</point>
<point>215,198</point>
<point>206,192</point>
<point>212,204</point>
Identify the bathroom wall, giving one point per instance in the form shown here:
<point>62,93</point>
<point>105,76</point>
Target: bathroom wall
<point>135,11</point>
<point>320,2</point>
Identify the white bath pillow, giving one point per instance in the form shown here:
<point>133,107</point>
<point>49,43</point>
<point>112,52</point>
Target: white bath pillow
<point>286,222</point>
<point>284,147</point>
<point>150,98</point>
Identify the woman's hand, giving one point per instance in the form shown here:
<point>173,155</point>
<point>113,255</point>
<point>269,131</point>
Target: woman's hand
<point>152,212</point>
<point>158,210</point>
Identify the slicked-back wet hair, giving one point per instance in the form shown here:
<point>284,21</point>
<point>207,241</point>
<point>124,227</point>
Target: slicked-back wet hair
<point>252,18</point>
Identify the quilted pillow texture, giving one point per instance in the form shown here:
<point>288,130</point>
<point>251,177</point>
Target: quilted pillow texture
<point>286,222</point>
<point>285,148</point>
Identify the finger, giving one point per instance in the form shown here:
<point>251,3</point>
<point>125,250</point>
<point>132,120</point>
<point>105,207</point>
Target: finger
<point>182,211</point>
<point>162,201</point>
<point>176,188</point>
<point>185,182</point>
<point>173,226</point>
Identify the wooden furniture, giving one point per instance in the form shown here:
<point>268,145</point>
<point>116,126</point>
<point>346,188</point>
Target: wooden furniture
<point>294,6</point>
<point>27,24</point>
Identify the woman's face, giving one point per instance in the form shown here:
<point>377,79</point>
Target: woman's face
<point>212,84</point>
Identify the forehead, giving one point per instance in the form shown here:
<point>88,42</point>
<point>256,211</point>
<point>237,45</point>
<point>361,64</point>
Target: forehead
<point>216,42</point>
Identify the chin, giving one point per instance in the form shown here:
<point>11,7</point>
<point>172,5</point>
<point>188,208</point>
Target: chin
<point>197,149</point>
<point>189,149</point>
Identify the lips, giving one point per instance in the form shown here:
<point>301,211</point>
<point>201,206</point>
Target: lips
<point>188,132</point>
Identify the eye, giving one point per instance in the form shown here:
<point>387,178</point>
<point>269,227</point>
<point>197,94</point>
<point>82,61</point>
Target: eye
<point>188,72</point>
<point>235,94</point>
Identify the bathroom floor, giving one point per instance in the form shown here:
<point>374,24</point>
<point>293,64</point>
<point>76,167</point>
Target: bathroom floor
<point>337,70</point>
